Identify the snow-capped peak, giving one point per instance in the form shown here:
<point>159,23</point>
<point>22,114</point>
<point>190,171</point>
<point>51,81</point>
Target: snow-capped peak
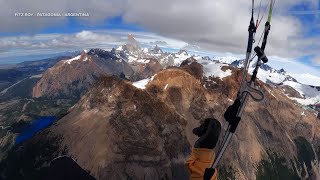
<point>267,74</point>
<point>69,61</point>
<point>155,50</point>
<point>207,58</point>
<point>120,48</point>
<point>145,50</point>
<point>83,56</point>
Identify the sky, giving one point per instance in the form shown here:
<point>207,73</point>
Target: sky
<point>216,27</point>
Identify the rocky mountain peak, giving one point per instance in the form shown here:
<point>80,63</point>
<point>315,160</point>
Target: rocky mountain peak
<point>188,61</point>
<point>266,67</point>
<point>130,49</point>
<point>83,55</point>
<point>237,63</point>
<point>101,53</point>
<point>74,76</point>
<point>131,40</point>
<point>148,129</point>
<point>290,78</point>
<point>155,50</point>
<point>206,58</point>
<point>282,71</point>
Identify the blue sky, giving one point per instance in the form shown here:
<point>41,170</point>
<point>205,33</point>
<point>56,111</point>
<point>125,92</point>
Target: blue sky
<point>73,25</point>
<point>218,27</point>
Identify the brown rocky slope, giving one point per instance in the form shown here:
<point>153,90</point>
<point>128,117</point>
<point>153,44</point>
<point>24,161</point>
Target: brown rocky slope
<point>153,126</point>
<point>119,131</point>
<point>72,77</point>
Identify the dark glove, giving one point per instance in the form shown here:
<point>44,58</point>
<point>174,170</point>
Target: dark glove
<point>208,132</point>
<point>231,115</point>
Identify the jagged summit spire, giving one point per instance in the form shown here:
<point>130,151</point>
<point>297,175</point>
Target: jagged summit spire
<point>132,40</point>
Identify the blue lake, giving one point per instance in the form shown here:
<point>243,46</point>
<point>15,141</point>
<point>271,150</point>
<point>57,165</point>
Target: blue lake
<point>36,126</point>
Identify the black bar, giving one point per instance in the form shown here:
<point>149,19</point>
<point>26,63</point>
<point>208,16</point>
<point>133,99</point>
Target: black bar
<point>252,30</point>
<point>265,36</point>
<point>254,75</point>
<point>208,173</point>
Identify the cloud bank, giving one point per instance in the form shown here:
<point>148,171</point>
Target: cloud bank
<point>218,26</point>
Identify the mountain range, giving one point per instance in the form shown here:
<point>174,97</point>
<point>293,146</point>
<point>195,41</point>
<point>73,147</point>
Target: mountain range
<point>133,110</point>
<point>74,75</point>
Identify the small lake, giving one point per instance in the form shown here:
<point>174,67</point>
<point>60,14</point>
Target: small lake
<point>36,126</point>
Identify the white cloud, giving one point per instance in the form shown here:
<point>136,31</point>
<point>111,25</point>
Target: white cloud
<point>219,25</point>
